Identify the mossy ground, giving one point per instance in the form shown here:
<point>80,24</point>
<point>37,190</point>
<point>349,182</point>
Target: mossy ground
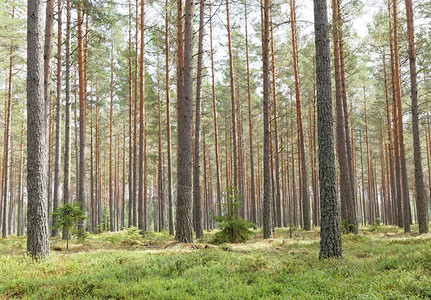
<point>380,263</point>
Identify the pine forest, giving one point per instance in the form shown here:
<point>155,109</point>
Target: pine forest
<point>215,149</point>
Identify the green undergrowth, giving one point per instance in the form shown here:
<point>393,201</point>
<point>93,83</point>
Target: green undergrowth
<point>375,265</point>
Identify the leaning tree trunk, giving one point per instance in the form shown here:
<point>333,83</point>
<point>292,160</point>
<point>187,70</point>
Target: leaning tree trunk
<point>37,232</point>
<point>422,208</point>
<point>330,238</point>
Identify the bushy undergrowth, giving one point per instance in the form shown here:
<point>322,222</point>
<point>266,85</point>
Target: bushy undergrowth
<point>373,267</point>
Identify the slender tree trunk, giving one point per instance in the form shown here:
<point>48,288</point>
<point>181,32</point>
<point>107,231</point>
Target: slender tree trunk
<point>217,149</point>
<point>135,126</point>
<point>20,229</point>
<point>330,243</point>
<point>6,209</point>
<point>253,207</point>
<point>67,134</point>
<point>404,179</point>
<point>419,180</point>
<point>305,196</point>
<point>141,210</point>
<point>267,193</point>
<point>232,91</point>
<point>37,232</point>
<point>197,209</point>
<point>82,112</point>
<point>161,186</point>
<point>168,126</point>
<point>130,193</point>
<point>57,178</point>
<point>111,141</point>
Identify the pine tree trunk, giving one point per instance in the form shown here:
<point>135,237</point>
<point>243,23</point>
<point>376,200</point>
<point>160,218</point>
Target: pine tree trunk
<point>56,200</point>
<point>330,243</point>
<point>82,112</point>
<point>217,149</point>
<point>305,197</point>
<point>404,179</point>
<point>67,125</point>
<point>267,193</point>
<point>184,232</point>
<point>253,206</point>
<point>420,186</point>
<point>197,209</point>
<point>141,210</point>
<point>37,232</point>
<point>232,91</point>
<point>6,210</point>
<point>168,126</point>
<point>111,141</point>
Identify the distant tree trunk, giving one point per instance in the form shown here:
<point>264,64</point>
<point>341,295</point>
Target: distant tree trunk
<point>6,209</point>
<point>82,112</point>
<point>20,229</point>
<point>135,126</point>
<point>305,196</point>
<point>67,127</point>
<point>131,174</point>
<point>267,193</point>
<point>168,126</point>
<point>390,165</point>
<point>232,91</point>
<point>398,195</point>
<point>185,123</point>
<point>404,179</point>
<point>371,219</point>
<point>161,190</point>
<point>419,180</point>
<point>141,210</point>
<point>57,178</point>
<point>253,207</point>
<point>197,210</point>
<point>111,113</point>
<point>330,243</point>
<point>217,149</point>
<point>37,232</point>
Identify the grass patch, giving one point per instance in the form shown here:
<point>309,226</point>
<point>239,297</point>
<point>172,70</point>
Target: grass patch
<point>378,265</point>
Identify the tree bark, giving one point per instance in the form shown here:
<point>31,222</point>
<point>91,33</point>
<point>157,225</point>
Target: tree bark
<point>82,112</point>
<point>197,209</point>
<point>141,210</point>
<point>217,149</point>
<point>330,243</point>
<point>37,232</point>
<point>168,126</point>
<point>267,193</point>
<point>184,232</point>
<point>422,208</point>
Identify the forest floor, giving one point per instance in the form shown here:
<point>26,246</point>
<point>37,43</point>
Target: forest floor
<point>380,263</point>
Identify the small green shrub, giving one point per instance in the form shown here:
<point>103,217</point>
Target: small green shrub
<point>68,215</point>
<point>233,228</point>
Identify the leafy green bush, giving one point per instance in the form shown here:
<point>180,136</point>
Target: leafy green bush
<point>234,229</point>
